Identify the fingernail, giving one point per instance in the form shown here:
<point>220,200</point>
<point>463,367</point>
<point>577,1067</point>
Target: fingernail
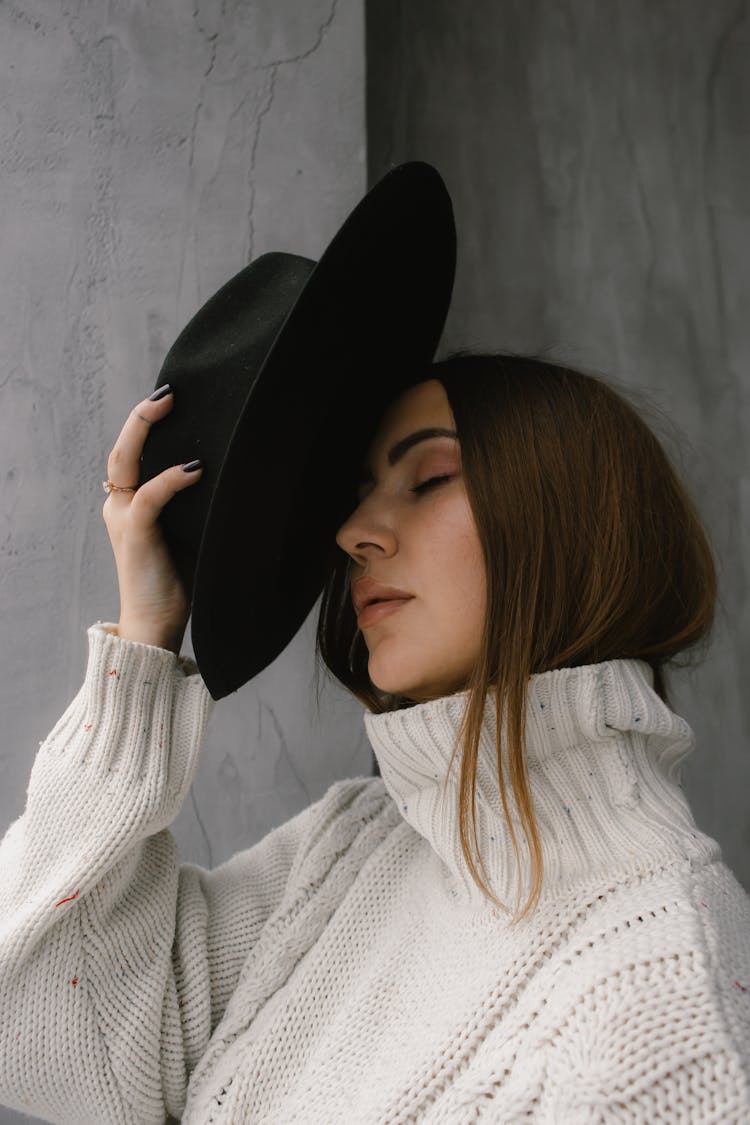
<point>161,392</point>
<point>192,466</point>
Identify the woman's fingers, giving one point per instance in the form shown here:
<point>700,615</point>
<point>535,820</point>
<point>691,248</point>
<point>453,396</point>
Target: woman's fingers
<point>154,605</point>
<point>123,463</point>
<point>146,504</point>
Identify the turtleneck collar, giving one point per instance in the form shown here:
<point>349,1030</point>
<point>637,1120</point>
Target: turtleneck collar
<point>604,757</point>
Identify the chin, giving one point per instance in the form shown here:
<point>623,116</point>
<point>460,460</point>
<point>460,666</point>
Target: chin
<point>415,691</point>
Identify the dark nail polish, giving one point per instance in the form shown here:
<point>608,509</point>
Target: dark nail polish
<point>161,392</point>
<point>192,466</point>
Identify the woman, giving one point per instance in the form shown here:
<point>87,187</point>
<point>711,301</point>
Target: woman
<point>543,563</point>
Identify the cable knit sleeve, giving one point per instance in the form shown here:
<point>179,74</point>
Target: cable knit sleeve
<point>661,1027</point>
<point>115,962</point>
<point>626,1055</point>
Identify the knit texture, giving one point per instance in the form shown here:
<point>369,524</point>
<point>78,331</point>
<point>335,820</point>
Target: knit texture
<point>346,969</point>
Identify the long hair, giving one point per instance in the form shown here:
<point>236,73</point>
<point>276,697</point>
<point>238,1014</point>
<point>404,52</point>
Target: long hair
<point>593,551</point>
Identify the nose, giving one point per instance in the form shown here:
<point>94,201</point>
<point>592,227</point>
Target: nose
<point>364,534</point>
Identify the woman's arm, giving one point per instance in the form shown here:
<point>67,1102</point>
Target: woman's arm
<point>115,963</point>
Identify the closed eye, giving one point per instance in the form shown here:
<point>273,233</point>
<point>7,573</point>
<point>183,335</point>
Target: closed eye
<point>428,483</point>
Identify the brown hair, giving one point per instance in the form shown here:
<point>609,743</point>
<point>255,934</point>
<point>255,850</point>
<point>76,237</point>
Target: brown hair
<point>593,549</point>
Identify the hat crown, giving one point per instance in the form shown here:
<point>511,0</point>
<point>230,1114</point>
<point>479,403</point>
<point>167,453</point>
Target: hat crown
<point>240,322</point>
<point>267,379</point>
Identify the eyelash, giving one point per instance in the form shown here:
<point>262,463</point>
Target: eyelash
<point>428,483</point>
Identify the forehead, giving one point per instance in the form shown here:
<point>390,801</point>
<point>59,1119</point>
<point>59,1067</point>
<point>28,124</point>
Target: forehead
<point>420,412</point>
<point>424,404</point>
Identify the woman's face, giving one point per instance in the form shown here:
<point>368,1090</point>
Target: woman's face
<point>424,543</point>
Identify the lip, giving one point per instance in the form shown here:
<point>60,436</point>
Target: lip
<point>369,589</point>
<point>373,612</point>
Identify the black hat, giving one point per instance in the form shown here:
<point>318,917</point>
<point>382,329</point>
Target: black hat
<point>279,382</point>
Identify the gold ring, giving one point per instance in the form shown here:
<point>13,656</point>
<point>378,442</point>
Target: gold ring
<point>109,487</point>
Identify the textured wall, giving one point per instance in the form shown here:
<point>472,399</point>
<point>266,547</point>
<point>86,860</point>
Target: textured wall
<point>147,153</point>
<point>598,155</point>
<point>598,159</point>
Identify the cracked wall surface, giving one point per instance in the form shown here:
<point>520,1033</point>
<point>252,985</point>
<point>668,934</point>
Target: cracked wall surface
<point>599,164</point>
<point>598,156</point>
<point>147,153</point>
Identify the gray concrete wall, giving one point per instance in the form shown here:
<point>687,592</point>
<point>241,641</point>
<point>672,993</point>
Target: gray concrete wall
<point>147,153</point>
<point>598,156</point>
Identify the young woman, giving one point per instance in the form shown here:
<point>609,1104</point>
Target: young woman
<point>518,920</point>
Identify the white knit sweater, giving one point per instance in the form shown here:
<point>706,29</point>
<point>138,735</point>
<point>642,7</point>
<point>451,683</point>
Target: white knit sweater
<point>345,969</point>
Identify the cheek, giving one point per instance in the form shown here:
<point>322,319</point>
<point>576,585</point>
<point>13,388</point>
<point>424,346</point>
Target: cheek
<point>457,560</point>
<point>471,582</point>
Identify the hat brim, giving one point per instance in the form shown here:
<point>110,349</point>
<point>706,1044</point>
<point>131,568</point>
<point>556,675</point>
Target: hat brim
<point>365,325</point>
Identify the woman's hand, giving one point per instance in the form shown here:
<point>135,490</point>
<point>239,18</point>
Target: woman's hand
<point>154,606</point>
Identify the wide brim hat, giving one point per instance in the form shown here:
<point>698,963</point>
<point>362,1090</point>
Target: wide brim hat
<point>279,382</point>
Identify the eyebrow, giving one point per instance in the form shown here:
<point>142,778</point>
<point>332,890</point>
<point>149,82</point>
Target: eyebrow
<point>401,447</point>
